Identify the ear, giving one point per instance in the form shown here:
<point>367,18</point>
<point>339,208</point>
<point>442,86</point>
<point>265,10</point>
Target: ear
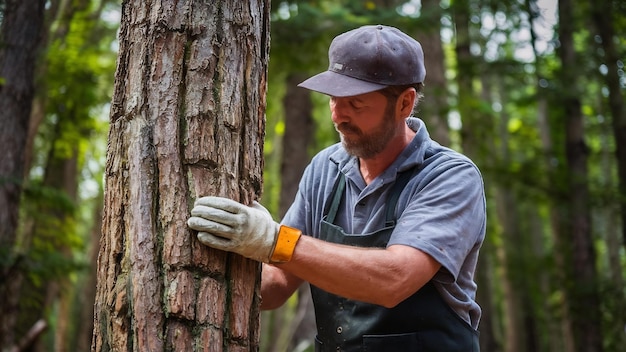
<point>406,102</point>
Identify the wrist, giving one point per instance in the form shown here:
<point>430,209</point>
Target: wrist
<point>286,240</point>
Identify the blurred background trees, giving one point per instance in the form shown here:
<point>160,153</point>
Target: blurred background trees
<point>532,91</point>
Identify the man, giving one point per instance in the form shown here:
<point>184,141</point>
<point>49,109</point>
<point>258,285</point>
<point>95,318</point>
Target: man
<point>392,221</point>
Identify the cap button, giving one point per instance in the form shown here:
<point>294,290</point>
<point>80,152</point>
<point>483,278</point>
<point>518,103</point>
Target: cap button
<point>379,27</point>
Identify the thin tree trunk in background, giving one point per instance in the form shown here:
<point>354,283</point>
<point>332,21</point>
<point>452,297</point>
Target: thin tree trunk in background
<point>53,216</point>
<point>562,338</point>
<point>488,276</point>
<point>607,220</point>
<point>54,293</point>
<point>288,326</point>
<point>49,219</point>
<point>467,72</point>
<point>187,120</point>
<point>86,289</point>
<point>475,136</point>
<point>513,329</point>
<point>547,327</point>
<point>576,238</point>
<point>602,13</point>
<point>604,16</point>
<point>509,253</point>
<point>519,249</point>
<point>22,21</point>
<point>58,17</point>
<point>299,136</point>
<point>60,290</point>
<point>434,110</point>
<point>566,343</point>
<point>485,273</point>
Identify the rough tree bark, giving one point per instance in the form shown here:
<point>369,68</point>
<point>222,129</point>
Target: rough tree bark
<point>187,119</point>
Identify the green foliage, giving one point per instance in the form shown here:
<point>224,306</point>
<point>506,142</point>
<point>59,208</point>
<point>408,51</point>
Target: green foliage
<point>52,212</point>
<point>303,30</point>
<point>78,81</point>
<point>79,76</point>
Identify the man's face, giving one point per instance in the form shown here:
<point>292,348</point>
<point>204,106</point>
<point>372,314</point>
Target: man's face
<point>366,123</point>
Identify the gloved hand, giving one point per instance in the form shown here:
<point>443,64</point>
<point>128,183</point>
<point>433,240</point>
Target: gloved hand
<point>230,226</point>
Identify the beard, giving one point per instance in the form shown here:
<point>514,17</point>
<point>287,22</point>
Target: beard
<point>367,146</point>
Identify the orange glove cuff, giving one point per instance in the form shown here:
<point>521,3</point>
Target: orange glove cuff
<point>285,244</point>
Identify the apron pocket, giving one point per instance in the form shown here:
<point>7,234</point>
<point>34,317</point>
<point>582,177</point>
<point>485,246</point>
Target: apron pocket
<point>393,342</point>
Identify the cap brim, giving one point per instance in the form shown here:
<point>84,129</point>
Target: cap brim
<point>338,85</point>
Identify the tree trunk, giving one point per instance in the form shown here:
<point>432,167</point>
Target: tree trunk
<point>47,232</point>
<point>560,334</point>
<point>187,120</point>
<point>603,16</point>
<point>287,326</point>
<point>298,138</point>
<point>576,240</point>
<point>299,135</point>
<point>435,111</point>
<point>22,21</point>
<point>86,288</point>
<point>58,18</point>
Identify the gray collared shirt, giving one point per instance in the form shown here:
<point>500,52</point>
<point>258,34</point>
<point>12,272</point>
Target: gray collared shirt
<point>441,210</point>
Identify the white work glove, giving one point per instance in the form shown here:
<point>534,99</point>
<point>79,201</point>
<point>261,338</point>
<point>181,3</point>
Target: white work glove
<point>230,226</point>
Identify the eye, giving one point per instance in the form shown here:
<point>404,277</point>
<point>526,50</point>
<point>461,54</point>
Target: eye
<point>356,104</point>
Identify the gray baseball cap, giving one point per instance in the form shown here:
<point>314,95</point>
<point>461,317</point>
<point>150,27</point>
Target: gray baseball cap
<point>368,59</point>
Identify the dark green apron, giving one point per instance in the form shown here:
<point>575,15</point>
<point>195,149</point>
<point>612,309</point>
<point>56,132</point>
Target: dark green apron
<point>422,322</point>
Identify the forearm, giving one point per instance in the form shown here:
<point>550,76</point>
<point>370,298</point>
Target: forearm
<point>276,286</point>
<point>380,276</point>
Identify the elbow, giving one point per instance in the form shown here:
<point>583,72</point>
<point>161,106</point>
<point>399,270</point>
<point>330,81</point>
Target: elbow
<point>272,299</point>
<point>392,300</point>
<point>270,304</point>
<point>276,287</point>
<point>393,294</point>
<point>397,288</point>
<point>401,280</point>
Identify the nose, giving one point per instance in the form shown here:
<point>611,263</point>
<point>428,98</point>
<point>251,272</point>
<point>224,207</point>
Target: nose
<point>338,110</point>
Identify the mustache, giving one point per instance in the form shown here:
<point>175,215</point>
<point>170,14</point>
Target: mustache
<point>346,127</point>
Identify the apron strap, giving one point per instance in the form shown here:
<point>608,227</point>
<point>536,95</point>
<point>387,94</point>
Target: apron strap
<point>337,194</point>
<point>392,200</point>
